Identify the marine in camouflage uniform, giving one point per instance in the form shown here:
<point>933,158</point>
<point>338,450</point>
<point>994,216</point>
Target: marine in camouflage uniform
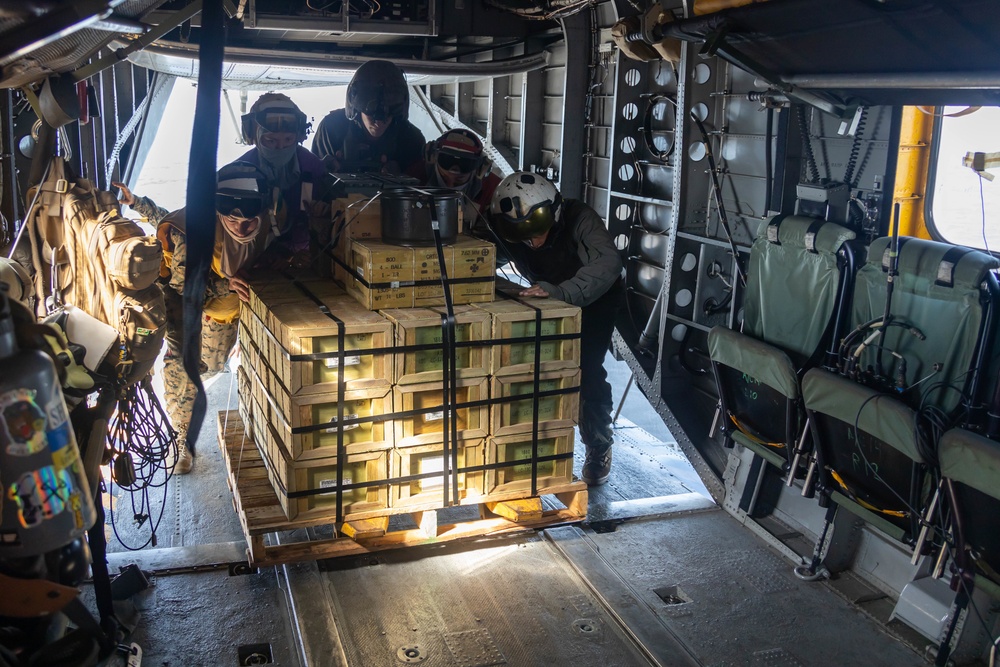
<point>219,326</point>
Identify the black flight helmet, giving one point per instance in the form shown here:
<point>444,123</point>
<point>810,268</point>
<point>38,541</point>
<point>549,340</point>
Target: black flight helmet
<point>378,90</point>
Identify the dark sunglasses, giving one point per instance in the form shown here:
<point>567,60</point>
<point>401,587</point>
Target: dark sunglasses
<point>465,165</point>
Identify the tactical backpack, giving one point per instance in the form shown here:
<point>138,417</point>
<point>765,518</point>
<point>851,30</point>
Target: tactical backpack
<point>85,253</point>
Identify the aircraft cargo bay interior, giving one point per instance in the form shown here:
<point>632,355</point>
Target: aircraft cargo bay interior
<point>499,332</point>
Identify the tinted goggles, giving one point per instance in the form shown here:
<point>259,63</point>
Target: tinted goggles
<point>464,164</point>
<point>248,205</point>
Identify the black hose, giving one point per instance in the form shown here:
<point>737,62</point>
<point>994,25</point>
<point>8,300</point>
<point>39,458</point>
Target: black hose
<point>807,149</point>
<point>768,160</point>
<point>890,284</point>
<point>852,160</point>
<point>717,189</point>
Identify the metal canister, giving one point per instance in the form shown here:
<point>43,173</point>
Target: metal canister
<point>46,502</point>
<point>407,214</point>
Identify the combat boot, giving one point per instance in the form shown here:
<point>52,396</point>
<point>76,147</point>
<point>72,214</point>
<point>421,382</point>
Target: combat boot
<point>183,461</point>
<point>597,466</point>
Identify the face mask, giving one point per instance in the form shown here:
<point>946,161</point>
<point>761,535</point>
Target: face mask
<point>236,221</point>
<point>277,157</point>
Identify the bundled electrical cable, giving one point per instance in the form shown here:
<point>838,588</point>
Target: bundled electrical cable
<point>141,438</point>
<point>540,10</point>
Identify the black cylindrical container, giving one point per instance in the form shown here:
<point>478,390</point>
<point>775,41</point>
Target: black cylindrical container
<point>406,215</point>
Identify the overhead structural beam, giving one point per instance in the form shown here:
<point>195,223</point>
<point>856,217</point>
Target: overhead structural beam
<point>903,80</point>
<point>52,26</point>
<point>123,51</point>
<point>347,63</point>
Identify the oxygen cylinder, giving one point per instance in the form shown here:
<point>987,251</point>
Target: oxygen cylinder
<point>45,501</point>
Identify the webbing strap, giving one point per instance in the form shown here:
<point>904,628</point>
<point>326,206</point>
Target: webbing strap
<point>404,414</point>
<point>772,229</point>
<point>946,268</point>
<point>810,237</point>
<point>536,391</point>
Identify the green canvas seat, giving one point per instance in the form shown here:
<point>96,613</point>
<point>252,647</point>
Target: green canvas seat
<point>970,474</point>
<point>805,268</point>
<point>971,463</point>
<point>868,451</point>
<point>944,297</point>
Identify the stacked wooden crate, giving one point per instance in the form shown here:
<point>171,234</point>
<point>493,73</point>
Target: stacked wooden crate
<point>293,402</point>
<point>512,371</point>
<point>382,276</point>
<point>385,409</point>
<point>355,217</point>
<point>419,387</point>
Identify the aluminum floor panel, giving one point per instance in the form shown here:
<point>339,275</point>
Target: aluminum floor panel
<point>510,602</point>
<point>735,602</point>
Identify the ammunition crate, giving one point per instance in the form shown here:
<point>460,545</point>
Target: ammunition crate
<point>288,477</point>
<point>427,428</point>
<point>360,215</point>
<point>556,411</point>
<point>430,459</point>
<point>513,319</point>
<point>517,476</point>
<point>293,324</point>
<point>389,276</point>
<point>422,326</point>
<point>314,409</point>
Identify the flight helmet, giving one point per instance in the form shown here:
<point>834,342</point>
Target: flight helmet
<point>378,89</point>
<point>525,205</point>
<point>273,112</point>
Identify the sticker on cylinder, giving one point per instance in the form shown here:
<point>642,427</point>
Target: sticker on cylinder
<point>23,421</point>
<point>41,494</point>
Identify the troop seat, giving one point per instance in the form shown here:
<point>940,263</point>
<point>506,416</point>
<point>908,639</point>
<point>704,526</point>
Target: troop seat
<point>943,308</point>
<point>970,468</point>
<point>970,479</point>
<point>869,452</point>
<point>800,271</point>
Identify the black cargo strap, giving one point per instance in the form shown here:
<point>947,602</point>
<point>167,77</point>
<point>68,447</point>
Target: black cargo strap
<point>421,347</point>
<point>201,222</point>
<point>449,371</point>
<point>341,390</point>
<point>536,380</point>
<point>405,414</point>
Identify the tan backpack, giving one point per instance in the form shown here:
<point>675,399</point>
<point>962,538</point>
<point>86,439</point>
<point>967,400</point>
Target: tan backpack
<point>85,253</point>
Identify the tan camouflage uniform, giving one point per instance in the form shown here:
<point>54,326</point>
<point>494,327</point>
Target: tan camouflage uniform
<point>217,339</point>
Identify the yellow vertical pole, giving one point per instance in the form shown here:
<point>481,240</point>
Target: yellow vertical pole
<point>910,188</point>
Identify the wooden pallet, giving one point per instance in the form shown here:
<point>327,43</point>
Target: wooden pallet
<point>260,513</point>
